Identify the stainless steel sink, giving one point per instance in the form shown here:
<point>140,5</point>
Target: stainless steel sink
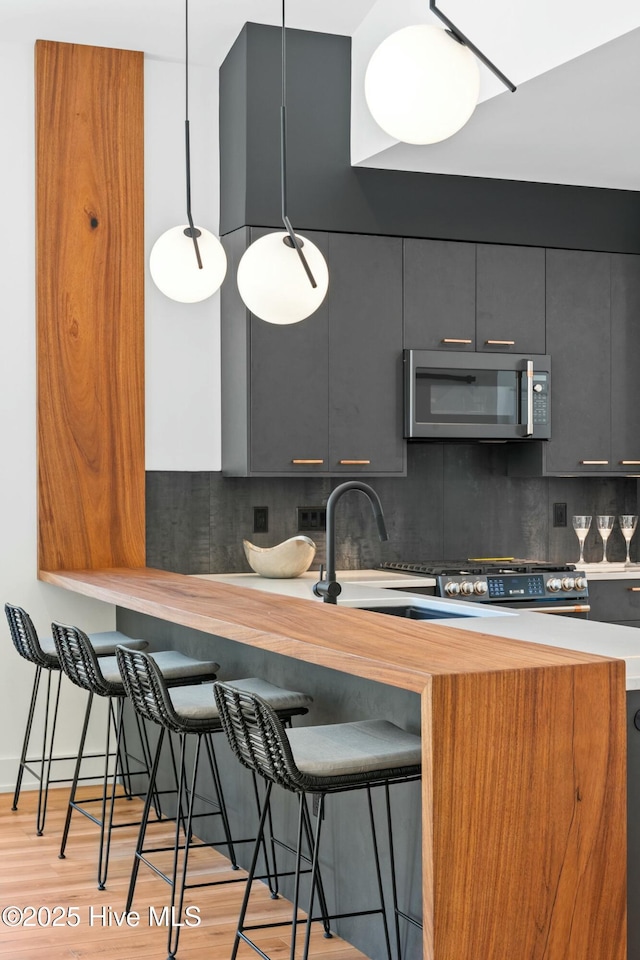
<point>416,612</point>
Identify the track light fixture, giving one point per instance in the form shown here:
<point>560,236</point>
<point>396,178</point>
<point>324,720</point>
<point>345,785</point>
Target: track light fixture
<point>422,83</point>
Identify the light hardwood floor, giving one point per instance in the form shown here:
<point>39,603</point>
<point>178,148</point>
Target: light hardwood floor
<point>31,875</point>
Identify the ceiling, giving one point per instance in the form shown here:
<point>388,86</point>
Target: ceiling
<point>569,122</point>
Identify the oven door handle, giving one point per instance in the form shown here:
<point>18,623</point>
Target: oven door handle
<point>529,432</point>
<point>557,608</point>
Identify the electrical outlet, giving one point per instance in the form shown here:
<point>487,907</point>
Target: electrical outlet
<point>312,518</point>
<point>559,514</point>
<point>261,519</point>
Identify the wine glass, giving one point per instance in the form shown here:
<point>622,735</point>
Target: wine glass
<point>581,526</point>
<point>628,527</point>
<point>605,526</point>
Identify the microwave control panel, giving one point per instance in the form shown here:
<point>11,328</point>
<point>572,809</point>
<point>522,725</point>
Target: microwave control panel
<point>540,398</point>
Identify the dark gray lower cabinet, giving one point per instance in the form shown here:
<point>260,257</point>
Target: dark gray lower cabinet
<point>615,601</point>
<point>322,397</point>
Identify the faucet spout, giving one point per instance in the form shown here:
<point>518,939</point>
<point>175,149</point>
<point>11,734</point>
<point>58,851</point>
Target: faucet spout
<point>329,588</point>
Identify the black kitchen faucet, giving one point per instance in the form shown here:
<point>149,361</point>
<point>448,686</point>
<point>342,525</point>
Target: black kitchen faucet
<point>328,587</point>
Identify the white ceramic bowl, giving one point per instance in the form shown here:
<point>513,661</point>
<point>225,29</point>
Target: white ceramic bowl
<point>287,559</point>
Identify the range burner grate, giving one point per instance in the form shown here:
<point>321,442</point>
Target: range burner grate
<point>476,566</point>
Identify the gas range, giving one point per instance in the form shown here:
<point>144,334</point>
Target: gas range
<point>525,584</point>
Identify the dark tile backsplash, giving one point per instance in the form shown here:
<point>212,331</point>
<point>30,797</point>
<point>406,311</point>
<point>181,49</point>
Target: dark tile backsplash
<point>456,501</point>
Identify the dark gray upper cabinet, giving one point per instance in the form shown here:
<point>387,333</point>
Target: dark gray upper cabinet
<point>274,384</point>
<point>288,388</point>
<point>625,356</point>
<point>439,295</point>
<point>324,396</point>
<point>579,342</point>
<point>510,299</point>
<point>467,296</point>
<point>365,354</point>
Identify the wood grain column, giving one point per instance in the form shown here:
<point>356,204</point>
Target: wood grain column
<point>90,306</point>
<point>524,813</point>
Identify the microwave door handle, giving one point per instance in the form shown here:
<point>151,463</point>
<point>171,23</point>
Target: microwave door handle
<point>529,431</point>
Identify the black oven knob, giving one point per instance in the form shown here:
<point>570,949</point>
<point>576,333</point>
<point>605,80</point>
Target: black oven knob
<point>452,589</point>
<point>568,583</point>
<point>581,583</point>
<point>466,588</point>
<point>554,584</point>
<point>480,587</point>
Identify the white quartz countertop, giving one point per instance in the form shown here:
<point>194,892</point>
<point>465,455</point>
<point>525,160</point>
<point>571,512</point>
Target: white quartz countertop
<point>303,585</point>
<point>379,587</point>
<point>611,571</point>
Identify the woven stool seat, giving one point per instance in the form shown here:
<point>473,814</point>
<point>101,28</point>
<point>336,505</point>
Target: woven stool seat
<point>175,667</point>
<point>41,652</point>
<point>339,753</point>
<point>104,644</point>
<point>319,760</point>
<point>196,705</point>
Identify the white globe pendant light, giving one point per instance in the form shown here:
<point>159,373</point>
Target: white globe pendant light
<point>421,85</point>
<point>283,277</point>
<point>188,263</point>
<point>174,267</point>
<point>274,285</point>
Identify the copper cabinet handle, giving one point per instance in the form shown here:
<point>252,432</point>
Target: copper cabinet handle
<point>573,608</point>
<point>628,463</point>
<point>454,340</point>
<point>633,589</point>
<point>307,461</point>
<point>362,463</point>
<point>588,462</point>
<point>501,343</point>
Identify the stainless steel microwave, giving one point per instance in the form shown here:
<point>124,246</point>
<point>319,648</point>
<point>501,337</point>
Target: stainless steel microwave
<point>476,396</point>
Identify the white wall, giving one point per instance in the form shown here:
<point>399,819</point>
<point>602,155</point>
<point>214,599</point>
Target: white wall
<point>182,340</point>
<point>183,430</point>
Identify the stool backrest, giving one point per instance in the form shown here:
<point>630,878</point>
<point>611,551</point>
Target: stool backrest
<point>25,638</point>
<point>256,735</point>
<point>146,687</point>
<point>78,658</point>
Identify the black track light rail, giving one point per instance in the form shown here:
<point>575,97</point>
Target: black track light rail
<point>291,240</point>
<point>460,37</point>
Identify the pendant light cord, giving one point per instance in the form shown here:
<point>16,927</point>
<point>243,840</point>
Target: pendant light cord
<point>191,231</point>
<point>292,240</point>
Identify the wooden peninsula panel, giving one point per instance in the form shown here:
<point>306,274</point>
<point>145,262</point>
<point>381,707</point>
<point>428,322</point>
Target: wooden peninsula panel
<point>526,802</point>
<point>524,759</point>
<point>90,306</point>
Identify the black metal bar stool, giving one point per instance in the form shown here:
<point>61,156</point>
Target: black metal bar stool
<point>184,711</point>
<point>101,677</point>
<point>42,654</point>
<point>323,760</point>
